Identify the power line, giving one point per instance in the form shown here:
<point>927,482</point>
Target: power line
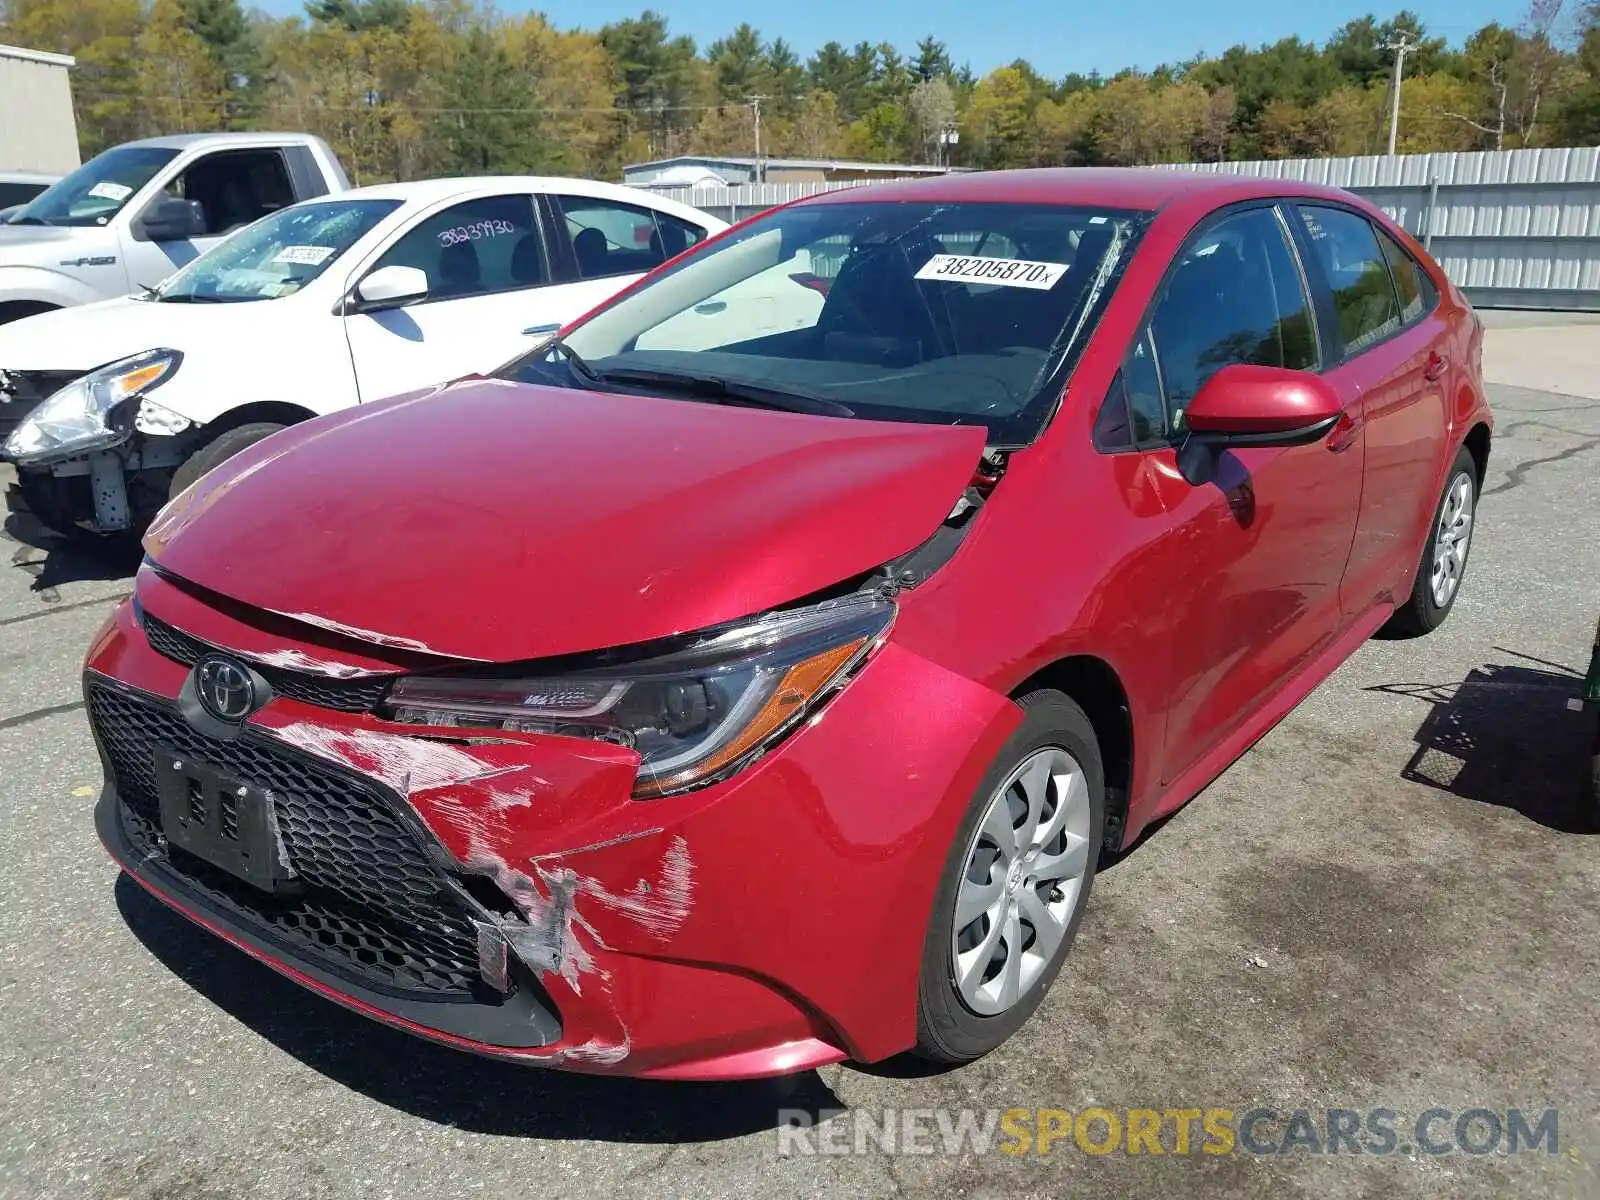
<point>539,110</point>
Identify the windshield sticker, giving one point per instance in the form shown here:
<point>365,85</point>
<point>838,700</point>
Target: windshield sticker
<point>1007,272</point>
<point>305,256</point>
<point>107,190</point>
<point>476,232</point>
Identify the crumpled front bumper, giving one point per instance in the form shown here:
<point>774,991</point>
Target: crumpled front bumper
<point>767,924</point>
<point>104,492</point>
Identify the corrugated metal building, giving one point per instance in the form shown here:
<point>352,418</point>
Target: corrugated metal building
<point>1513,228</point>
<point>37,129</point>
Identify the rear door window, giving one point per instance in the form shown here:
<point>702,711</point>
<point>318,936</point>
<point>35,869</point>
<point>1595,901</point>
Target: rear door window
<point>1363,292</point>
<point>612,238</point>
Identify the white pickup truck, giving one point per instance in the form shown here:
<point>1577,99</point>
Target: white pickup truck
<point>132,215</point>
<point>108,409</point>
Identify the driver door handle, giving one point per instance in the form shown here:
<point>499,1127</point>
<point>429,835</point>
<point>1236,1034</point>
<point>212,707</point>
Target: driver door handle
<point>1436,366</point>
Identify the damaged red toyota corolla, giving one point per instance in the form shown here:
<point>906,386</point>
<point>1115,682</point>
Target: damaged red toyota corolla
<point>752,678</point>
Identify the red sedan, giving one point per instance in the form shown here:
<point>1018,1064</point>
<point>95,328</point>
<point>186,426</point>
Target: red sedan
<point>753,677</point>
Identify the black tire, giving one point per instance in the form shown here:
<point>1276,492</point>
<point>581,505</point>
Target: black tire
<point>1419,615</point>
<point>218,450</point>
<point>948,1031</point>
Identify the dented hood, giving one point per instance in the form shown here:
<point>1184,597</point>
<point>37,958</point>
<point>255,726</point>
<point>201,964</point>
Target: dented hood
<point>501,521</point>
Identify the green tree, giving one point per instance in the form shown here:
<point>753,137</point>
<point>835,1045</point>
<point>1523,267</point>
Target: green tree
<point>493,129</point>
<point>844,76</point>
<point>998,123</point>
<point>931,61</point>
<point>737,62</point>
<point>658,80</point>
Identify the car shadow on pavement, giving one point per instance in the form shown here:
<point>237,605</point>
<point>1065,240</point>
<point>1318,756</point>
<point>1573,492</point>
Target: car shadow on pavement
<point>450,1087</point>
<point>53,560</point>
<point>1504,735</point>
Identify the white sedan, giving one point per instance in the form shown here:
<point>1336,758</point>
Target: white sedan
<point>325,304</point>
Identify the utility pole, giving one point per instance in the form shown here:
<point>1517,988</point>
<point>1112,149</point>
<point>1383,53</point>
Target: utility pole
<point>755,107</point>
<point>1401,46</point>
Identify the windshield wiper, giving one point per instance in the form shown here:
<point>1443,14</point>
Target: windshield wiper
<point>580,365</point>
<point>198,298</point>
<point>731,391</point>
<point>19,219</point>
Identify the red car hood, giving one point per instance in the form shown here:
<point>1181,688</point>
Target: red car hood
<point>500,521</point>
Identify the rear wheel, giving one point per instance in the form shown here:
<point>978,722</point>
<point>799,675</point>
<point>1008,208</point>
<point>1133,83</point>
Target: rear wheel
<point>1015,885</point>
<point>218,450</point>
<point>1444,558</point>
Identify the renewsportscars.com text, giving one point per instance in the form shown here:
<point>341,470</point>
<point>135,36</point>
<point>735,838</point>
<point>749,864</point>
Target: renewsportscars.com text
<point>1180,1131</point>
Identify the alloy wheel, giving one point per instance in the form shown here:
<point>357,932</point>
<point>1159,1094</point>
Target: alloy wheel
<point>1022,880</point>
<point>1451,540</point>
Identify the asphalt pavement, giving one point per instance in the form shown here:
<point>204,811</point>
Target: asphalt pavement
<point>1392,902</point>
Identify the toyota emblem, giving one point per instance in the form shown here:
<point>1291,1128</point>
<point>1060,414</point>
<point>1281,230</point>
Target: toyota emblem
<point>226,690</point>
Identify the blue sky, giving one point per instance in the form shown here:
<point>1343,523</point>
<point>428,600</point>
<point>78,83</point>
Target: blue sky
<point>1057,36</point>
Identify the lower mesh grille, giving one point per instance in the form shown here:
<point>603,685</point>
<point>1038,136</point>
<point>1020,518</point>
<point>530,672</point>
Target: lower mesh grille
<point>371,904</point>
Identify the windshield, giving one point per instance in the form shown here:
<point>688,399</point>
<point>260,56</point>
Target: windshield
<point>278,255</point>
<point>966,314</point>
<point>96,191</point>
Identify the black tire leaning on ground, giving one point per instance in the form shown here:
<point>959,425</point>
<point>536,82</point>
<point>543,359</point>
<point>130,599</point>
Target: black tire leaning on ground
<point>1419,614</point>
<point>218,450</point>
<point>947,1030</point>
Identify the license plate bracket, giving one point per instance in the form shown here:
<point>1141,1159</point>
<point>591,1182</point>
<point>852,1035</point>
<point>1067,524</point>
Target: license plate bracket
<point>222,820</point>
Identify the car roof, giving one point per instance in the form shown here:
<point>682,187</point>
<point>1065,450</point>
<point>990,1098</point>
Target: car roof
<point>1145,188</point>
<point>429,190</point>
<point>182,141</point>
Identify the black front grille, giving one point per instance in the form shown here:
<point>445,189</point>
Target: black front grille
<point>341,695</point>
<point>369,903</point>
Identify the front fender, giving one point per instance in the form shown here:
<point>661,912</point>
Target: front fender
<point>41,285</point>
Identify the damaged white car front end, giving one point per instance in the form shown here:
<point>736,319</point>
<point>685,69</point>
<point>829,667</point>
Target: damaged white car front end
<point>103,428</point>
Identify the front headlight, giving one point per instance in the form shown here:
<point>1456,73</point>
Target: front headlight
<point>90,413</point>
<point>694,714</point>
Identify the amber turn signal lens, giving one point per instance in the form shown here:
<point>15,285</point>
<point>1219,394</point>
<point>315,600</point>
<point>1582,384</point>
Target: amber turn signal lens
<point>795,690</point>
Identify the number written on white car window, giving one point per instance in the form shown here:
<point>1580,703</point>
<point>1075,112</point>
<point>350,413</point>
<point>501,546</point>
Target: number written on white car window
<point>475,232</point>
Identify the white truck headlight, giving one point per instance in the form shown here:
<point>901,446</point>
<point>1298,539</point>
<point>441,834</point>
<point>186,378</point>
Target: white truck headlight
<point>90,413</point>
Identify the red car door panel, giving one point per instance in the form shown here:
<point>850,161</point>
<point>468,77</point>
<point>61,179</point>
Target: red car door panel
<point>1259,551</point>
<point>1265,545</point>
<point>1397,359</point>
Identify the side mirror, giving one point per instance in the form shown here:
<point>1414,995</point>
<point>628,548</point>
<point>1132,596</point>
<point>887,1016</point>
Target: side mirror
<point>390,287</point>
<point>1246,405</point>
<point>170,220</point>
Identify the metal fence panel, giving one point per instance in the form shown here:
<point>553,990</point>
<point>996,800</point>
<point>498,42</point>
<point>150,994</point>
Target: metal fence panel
<point>1513,228</point>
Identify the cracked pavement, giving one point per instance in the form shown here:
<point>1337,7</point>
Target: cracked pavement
<point>1391,901</point>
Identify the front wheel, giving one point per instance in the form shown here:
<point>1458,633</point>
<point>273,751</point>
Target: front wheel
<point>1444,558</point>
<point>1015,885</point>
<point>218,450</point>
